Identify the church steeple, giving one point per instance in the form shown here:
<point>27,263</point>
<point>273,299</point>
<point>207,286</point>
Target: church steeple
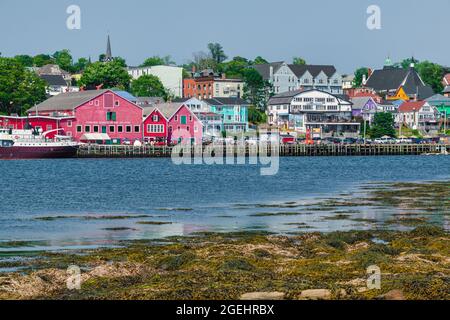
<point>108,55</point>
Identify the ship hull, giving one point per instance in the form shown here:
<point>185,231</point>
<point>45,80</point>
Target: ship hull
<point>43,152</point>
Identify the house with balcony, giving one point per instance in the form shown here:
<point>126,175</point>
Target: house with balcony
<point>234,113</point>
<point>208,85</point>
<point>289,77</point>
<point>419,115</point>
<point>313,110</point>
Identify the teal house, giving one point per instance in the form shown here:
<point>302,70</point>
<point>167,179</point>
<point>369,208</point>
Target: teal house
<point>234,112</point>
<point>442,103</point>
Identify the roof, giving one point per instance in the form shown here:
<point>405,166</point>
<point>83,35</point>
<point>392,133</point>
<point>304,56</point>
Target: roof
<point>149,100</point>
<point>166,109</point>
<point>298,70</point>
<point>410,106</point>
<point>438,99</point>
<point>446,80</point>
<point>388,78</point>
<point>360,102</point>
<point>126,95</point>
<point>286,97</point>
<point>54,79</point>
<point>68,100</point>
<point>226,102</point>
<point>446,89</point>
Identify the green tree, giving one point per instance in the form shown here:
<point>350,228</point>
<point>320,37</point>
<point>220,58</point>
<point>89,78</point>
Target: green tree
<point>80,65</point>
<point>217,52</point>
<point>42,59</point>
<point>256,89</point>
<point>383,125</point>
<point>298,61</point>
<point>148,86</point>
<point>25,60</point>
<point>234,68</point>
<point>431,74</point>
<point>359,75</point>
<point>256,116</point>
<point>64,60</point>
<point>260,60</point>
<point>20,89</point>
<point>108,74</point>
<point>158,61</point>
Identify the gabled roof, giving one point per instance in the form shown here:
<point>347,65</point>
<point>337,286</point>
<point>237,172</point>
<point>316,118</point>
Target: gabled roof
<point>54,80</point>
<point>360,102</point>
<point>410,106</point>
<point>438,99</point>
<point>386,79</point>
<point>126,95</point>
<point>166,109</point>
<point>264,69</point>
<point>226,102</point>
<point>314,70</point>
<point>286,97</point>
<point>446,89</point>
<point>68,100</point>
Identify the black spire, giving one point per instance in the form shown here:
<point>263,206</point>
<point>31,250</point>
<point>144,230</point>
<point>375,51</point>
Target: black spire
<point>108,55</point>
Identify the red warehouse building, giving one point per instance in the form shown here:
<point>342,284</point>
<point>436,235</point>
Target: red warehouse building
<point>43,124</point>
<point>100,116</point>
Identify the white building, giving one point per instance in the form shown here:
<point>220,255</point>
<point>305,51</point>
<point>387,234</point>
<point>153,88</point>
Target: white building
<point>315,110</point>
<point>289,77</point>
<point>419,115</point>
<point>170,76</point>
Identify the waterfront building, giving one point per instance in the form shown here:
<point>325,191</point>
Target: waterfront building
<point>101,116</point>
<point>170,76</point>
<point>315,110</point>
<point>39,123</point>
<point>171,123</point>
<point>365,107</point>
<point>419,115</point>
<point>234,112</point>
<point>208,85</point>
<point>289,77</point>
<point>398,83</point>
<point>442,103</point>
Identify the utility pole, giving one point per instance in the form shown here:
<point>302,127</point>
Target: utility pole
<point>365,131</point>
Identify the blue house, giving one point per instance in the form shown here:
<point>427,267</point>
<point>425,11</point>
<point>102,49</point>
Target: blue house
<point>234,112</point>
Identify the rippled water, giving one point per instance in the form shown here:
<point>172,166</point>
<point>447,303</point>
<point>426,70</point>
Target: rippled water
<point>73,203</point>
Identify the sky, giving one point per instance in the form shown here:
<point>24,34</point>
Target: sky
<point>321,31</point>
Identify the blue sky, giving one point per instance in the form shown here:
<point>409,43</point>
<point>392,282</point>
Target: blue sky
<point>323,32</point>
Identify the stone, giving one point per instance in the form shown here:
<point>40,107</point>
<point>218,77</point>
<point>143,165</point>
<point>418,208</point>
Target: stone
<point>263,296</point>
<point>316,294</point>
<point>393,295</point>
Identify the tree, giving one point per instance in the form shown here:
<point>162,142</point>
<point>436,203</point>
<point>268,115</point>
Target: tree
<point>20,89</point>
<point>80,65</point>
<point>359,75</point>
<point>217,53</point>
<point>42,59</point>
<point>64,60</point>
<point>383,125</point>
<point>256,89</point>
<point>25,60</point>
<point>256,116</point>
<point>260,60</point>
<point>108,74</point>
<point>234,68</point>
<point>158,61</point>
<point>148,86</point>
<point>121,61</point>
<point>431,74</point>
<point>298,61</point>
<point>202,60</point>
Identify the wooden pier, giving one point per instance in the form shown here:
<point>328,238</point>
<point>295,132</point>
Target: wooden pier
<point>293,150</point>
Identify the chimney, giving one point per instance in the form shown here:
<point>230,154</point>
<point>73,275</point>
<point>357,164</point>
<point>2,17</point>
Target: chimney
<point>270,72</point>
<point>194,69</point>
<point>364,80</point>
<point>369,73</point>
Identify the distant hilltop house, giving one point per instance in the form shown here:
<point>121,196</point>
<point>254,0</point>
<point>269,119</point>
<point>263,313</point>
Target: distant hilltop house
<point>319,112</point>
<point>58,81</point>
<point>398,83</point>
<point>289,77</point>
<point>170,76</point>
<point>207,85</point>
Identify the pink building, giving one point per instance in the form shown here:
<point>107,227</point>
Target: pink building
<point>172,122</point>
<point>99,116</point>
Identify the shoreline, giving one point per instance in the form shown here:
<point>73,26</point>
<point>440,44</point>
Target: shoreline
<point>414,264</point>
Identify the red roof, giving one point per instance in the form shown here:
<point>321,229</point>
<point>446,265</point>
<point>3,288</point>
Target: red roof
<point>410,106</point>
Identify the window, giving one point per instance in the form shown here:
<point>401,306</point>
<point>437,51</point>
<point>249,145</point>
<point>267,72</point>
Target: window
<point>103,129</point>
<point>137,129</point>
<point>91,102</point>
<point>96,129</point>
<point>183,120</point>
<point>128,129</point>
<point>49,127</point>
<point>69,123</point>
<point>195,129</point>
<point>97,103</point>
<point>117,103</point>
<point>119,128</point>
<point>190,118</point>
<point>87,129</point>
<point>112,129</point>
<point>176,118</point>
<point>79,129</point>
<point>111,116</point>
<point>188,128</point>
<point>155,118</point>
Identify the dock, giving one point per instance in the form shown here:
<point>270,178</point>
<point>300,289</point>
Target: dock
<point>291,150</point>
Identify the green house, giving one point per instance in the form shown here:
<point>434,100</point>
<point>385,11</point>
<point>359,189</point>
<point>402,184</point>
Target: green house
<point>442,103</point>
